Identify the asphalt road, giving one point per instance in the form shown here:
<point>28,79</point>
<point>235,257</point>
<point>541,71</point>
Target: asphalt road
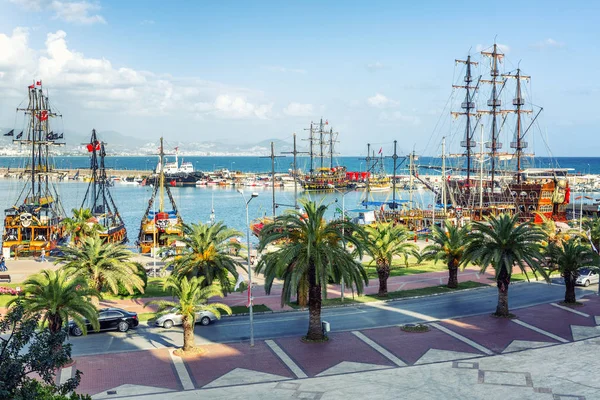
<point>295,323</point>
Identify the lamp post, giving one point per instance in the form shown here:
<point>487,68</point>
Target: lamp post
<point>343,234</point>
<point>253,195</point>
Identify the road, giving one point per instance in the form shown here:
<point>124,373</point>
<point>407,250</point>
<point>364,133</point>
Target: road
<point>364,316</point>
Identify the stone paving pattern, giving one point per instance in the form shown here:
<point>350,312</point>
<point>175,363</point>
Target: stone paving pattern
<point>230,365</point>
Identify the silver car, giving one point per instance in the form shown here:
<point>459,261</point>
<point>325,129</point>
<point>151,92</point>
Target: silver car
<point>587,276</point>
<point>167,321</point>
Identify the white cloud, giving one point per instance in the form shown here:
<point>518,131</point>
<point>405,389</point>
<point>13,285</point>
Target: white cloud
<point>278,68</point>
<point>97,84</point>
<point>504,48</point>
<point>548,44</point>
<point>398,116</point>
<point>381,101</point>
<point>79,12</point>
<point>299,110</point>
<point>147,22</point>
<point>375,66</point>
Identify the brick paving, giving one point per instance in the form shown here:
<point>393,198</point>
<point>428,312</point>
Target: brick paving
<point>546,316</point>
<point>314,358</point>
<point>410,347</point>
<point>493,333</point>
<point>106,371</point>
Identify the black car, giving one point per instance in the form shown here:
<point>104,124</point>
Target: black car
<point>109,319</point>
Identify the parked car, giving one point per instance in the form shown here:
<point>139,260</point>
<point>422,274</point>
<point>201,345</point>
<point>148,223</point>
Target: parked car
<point>587,276</point>
<point>167,321</point>
<point>110,319</point>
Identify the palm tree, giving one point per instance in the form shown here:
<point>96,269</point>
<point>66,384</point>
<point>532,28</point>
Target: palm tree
<point>105,265</point>
<point>592,227</point>
<point>59,295</point>
<point>503,243</point>
<point>448,245</point>
<point>193,297</point>
<point>568,257</point>
<point>382,242</point>
<point>308,248</point>
<point>82,224</point>
<point>207,254</point>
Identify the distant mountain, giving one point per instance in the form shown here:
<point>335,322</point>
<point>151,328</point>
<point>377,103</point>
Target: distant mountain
<point>120,144</point>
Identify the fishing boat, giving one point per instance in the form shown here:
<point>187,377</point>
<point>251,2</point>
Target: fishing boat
<point>98,198</point>
<point>175,174</point>
<point>321,176</point>
<point>160,227</point>
<point>502,183</point>
<point>34,221</point>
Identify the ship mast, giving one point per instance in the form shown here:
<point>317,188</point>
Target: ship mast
<point>494,102</point>
<point>469,107</point>
<point>161,203</point>
<point>519,101</point>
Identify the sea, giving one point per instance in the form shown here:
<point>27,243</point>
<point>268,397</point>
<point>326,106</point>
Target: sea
<point>196,204</point>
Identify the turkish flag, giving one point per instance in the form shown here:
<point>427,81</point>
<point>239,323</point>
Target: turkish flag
<point>31,86</point>
<point>43,115</point>
<point>38,83</point>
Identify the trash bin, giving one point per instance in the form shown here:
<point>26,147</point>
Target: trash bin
<point>326,327</point>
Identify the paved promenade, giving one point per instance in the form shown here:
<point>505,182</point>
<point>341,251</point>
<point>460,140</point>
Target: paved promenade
<point>472,358</point>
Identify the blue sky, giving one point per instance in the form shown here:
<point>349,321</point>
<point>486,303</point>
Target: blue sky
<point>246,71</point>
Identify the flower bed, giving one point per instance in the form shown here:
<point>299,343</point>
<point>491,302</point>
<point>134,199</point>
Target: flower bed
<point>8,290</point>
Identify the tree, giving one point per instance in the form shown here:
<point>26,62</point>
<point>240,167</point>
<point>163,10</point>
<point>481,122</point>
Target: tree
<point>104,265</point>
<point>26,350</point>
<point>592,227</point>
<point>81,225</point>
<point>568,257</point>
<point>193,297</point>
<point>312,249</point>
<point>382,242</point>
<point>503,243</point>
<point>448,245</point>
<point>58,296</point>
<point>207,254</point>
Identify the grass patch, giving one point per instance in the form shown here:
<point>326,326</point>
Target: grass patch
<point>245,310</point>
<point>146,317</point>
<point>398,268</point>
<point>415,328</point>
<point>154,288</point>
<point>400,294</point>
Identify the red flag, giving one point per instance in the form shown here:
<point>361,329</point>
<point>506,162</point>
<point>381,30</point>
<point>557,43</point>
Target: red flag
<point>43,115</point>
<point>326,122</point>
<point>173,183</point>
<point>380,150</point>
<point>31,86</point>
<point>89,147</point>
<point>38,83</point>
<point>97,145</point>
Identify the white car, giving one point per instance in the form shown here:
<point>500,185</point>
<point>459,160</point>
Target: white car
<point>167,321</point>
<point>587,276</point>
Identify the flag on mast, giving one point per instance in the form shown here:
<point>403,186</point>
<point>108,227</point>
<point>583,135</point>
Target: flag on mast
<point>239,281</point>
<point>380,150</point>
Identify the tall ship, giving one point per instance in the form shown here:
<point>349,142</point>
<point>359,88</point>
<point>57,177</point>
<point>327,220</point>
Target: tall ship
<point>495,181</point>
<point>33,223</point>
<point>161,224</point>
<point>176,174</point>
<point>98,198</point>
<point>322,174</point>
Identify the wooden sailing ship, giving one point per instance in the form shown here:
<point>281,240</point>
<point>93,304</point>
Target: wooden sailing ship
<point>160,227</point>
<point>98,198</point>
<point>322,174</point>
<point>33,223</point>
<point>528,192</point>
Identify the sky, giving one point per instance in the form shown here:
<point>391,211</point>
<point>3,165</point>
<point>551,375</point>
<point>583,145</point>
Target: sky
<point>231,71</point>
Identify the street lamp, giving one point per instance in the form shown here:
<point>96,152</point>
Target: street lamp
<point>253,195</point>
<point>343,232</point>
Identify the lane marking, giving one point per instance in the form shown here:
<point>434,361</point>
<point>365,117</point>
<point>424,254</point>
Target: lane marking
<point>379,349</point>
<point>296,318</point>
<point>570,310</point>
<point>463,339</point>
<point>182,372</point>
<point>296,370</point>
<point>65,375</point>
<point>413,314</point>
<point>538,330</point>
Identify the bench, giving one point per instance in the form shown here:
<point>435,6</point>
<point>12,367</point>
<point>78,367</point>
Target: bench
<point>5,278</point>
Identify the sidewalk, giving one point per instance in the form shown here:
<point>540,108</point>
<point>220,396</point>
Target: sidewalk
<point>468,358</point>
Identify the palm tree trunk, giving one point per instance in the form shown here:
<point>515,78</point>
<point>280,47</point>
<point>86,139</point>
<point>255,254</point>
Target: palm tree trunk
<point>570,289</point>
<point>383,272</point>
<point>452,274</point>
<point>503,282</point>
<point>188,333</point>
<point>303,293</point>
<point>315,331</point>
<point>55,323</point>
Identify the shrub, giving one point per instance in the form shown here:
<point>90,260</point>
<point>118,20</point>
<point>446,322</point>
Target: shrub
<point>8,290</point>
